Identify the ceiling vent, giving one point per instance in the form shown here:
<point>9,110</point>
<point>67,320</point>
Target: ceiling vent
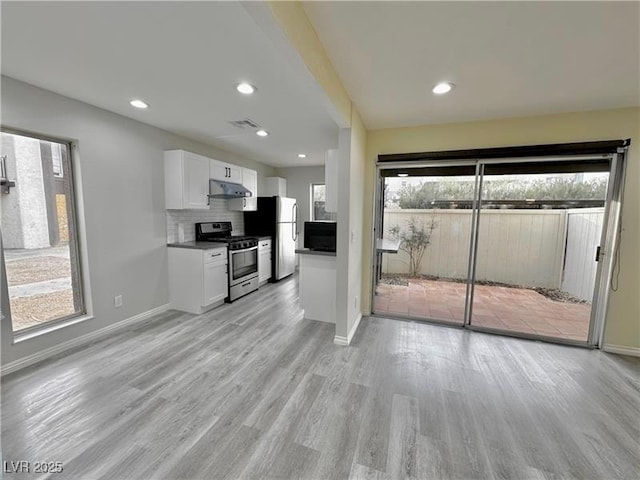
<point>245,124</point>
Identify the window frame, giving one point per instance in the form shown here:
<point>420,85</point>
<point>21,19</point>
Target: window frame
<point>312,203</point>
<point>77,250</point>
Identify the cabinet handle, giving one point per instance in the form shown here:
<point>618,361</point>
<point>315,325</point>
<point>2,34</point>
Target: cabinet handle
<point>216,255</point>
<point>244,202</point>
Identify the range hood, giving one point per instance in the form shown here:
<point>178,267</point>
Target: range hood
<point>222,189</point>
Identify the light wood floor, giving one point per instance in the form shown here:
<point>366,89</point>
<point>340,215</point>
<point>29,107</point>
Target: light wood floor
<point>251,390</point>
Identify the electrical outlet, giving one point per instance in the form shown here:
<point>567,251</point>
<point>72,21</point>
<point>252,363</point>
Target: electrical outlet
<point>117,301</point>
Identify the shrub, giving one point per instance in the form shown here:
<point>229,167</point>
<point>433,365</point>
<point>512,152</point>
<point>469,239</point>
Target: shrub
<point>414,240</point>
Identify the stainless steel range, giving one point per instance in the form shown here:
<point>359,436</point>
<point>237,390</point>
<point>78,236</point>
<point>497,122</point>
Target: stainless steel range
<point>243,256</point>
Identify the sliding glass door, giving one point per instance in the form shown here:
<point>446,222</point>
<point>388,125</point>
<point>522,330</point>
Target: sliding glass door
<point>509,246</point>
<point>424,235</point>
<point>539,228</point>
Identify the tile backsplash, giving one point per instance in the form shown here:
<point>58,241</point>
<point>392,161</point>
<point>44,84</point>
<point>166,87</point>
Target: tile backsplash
<point>186,219</point>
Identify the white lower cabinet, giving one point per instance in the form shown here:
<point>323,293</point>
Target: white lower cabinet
<point>264,260</point>
<point>215,282</point>
<point>317,285</point>
<point>198,279</point>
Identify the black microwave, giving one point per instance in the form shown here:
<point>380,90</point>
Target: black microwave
<point>320,236</point>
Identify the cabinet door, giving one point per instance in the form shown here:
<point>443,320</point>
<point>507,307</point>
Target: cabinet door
<point>225,172</point>
<point>245,204</point>
<point>264,265</point>
<point>275,187</point>
<point>215,282</point>
<point>196,181</point>
<point>235,173</point>
<point>250,181</point>
<point>219,170</point>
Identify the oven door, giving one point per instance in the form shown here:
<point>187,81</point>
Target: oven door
<point>242,264</point>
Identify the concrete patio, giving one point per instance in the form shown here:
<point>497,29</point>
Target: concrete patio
<point>513,309</point>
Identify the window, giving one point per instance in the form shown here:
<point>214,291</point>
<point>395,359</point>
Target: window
<point>40,243</point>
<point>318,197</point>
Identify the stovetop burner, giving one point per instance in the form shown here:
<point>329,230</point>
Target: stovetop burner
<point>221,232</point>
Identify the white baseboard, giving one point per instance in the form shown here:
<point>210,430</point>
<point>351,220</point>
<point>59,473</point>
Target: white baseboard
<point>621,350</point>
<point>79,341</point>
<point>345,341</point>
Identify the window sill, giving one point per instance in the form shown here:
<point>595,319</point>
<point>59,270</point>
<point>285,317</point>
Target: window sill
<point>45,329</point>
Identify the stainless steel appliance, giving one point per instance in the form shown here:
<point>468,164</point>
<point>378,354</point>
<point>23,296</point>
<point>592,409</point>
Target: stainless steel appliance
<point>221,189</point>
<point>320,236</point>
<point>243,256</point>
<point>276,217</point>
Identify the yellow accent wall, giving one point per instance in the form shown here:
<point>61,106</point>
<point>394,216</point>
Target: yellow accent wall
<point>356,198</point>
<point>623,315</point>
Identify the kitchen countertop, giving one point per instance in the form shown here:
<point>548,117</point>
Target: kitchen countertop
<point>264,237</point>
<point>197,245</point>
<point>387,245</point>
<point>306,251</point>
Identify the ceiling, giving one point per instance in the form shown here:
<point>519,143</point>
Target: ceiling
<point>184,59</point>
<point>506,59</point>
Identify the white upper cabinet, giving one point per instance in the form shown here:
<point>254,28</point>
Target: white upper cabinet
<point>275,187</point>
<point>250,181</point>
<point>247,204</point>
<point>186,180</point>
<point>225,172</point>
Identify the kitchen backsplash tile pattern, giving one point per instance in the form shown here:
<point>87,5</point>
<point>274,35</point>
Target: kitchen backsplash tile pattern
<point>185,219</point>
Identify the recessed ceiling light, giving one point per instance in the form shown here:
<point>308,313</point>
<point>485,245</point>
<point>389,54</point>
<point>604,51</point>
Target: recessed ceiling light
<point>403,174</point>
<point>443,87</point>
<point>245,88</point>
<point>262,133</point>
<point>302,155</point>
<point>138,104</point>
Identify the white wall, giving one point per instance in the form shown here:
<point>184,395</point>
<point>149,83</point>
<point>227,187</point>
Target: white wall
<point>299,180</point>
<point>218,212</point>
<point>351,170</point>
<point>121,175</point>
<point>356,217</point>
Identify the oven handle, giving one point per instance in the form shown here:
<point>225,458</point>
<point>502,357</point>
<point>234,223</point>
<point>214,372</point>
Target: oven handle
<point>231,252</point>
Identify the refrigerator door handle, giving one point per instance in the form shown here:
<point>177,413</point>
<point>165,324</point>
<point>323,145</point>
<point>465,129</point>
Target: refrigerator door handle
<point>295,221</point>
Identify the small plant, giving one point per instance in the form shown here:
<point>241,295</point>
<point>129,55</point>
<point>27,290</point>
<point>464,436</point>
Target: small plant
<point>414,240</point>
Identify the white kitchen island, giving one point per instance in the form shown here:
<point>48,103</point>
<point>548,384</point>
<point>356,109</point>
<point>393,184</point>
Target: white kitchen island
<point>317,281</point>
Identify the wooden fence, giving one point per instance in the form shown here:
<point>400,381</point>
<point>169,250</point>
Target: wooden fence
<point>516,247</point>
